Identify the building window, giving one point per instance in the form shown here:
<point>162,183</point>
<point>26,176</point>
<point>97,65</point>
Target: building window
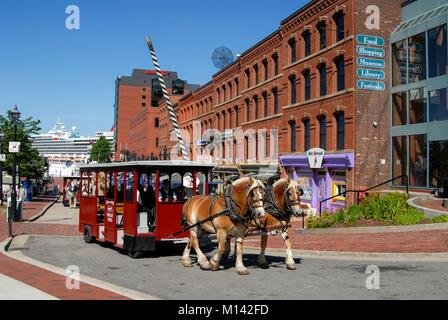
<point>417,57</point>
<point>247,78</point>
<point>340,131</point>
<point>178,86</point>
<point>399,63</point>
<point>246,144</point>
<point>417,106</point>
<point>438,163</point>
<point>143,89</point>
<point>230,90</point>
<point>307,41</point>
<point>224,95</point>
<point>143,97</point>
<point>237,120</point>
<point>323,79</point>
<point>437,47</point>
<point>218,92</point>
<point>275,94</point>
<point>247,110</point>
<point>275,60</point>
<point>340,27</point>
<point>256,107</point>
<point>293,86</point>
<point>340,73</point>
<point>307,81</point>
<point>323,132</point>
<point>399,106</point>
<point>399,158</point>
<point>438,105</point>
<point>293,136</point>
<point>322,35</point>
<point>417,160</point>
<point>293,49</point>
<point>307,134</point>
<point>229,111</point>
<point>266,105</point>
<point>237,85</point>
<point>265,69</point>
<point>156,122</point>
<point>143,104</point>
<point>256,74</point>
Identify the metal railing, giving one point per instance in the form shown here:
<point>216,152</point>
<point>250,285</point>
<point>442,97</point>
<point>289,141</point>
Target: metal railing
<point>358,192</point>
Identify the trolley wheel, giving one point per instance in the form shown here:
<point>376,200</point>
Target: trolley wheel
<point>136,254</point>
<point>87,236</point>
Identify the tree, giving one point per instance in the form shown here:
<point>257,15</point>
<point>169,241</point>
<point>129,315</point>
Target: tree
<point>100,151</point>
<point>31,164</point>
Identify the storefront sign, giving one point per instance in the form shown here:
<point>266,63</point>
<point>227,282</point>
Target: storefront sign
<point>370,40</point>
<point>370,63</point>
<point>371,52</point>
<point>2,157</point>
<point>315,158</point>
<point>371,85</point>
<point>371,74</point>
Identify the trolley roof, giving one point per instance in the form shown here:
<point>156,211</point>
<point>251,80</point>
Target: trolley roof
<point>148,164</point>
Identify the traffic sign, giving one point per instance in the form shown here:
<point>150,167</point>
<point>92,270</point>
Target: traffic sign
<point>370,63</point>
<point>371,85</point>
<point>370,40</point>
<point>2,157</point>
<point>371,52</point>
<point>14,146</point>
<point>371,74</point>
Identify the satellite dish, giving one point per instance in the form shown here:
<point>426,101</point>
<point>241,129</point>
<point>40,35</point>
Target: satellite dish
<point>222,57</point>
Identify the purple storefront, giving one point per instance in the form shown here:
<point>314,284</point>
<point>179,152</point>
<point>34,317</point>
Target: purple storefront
<point>327,179</point>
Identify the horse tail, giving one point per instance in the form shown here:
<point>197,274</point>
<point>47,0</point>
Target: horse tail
<point>184,220</point>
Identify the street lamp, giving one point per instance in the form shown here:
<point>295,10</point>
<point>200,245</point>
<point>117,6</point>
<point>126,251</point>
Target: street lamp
<point>2,137</point>
<point>15,116</point>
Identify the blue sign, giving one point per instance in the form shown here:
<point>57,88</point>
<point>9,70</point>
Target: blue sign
<point>371,74</point>
<point>371,52</point>
<point>370,63</point>
<point>371,85</point>
<point>370,40</point>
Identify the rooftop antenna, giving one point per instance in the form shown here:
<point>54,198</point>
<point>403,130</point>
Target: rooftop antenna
<point>167,98</point>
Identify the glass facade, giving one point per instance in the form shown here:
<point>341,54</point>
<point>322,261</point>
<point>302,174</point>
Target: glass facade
<point>419,103</point>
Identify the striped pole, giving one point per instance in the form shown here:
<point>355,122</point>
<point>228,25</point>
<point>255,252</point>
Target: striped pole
<point>169,104</point>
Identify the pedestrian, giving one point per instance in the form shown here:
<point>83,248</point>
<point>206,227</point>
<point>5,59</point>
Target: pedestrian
<point>21,200</point>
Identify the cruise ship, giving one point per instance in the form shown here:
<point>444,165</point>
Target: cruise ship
<point>66,149</point>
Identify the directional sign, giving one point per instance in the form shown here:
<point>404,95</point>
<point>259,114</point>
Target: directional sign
<point>2,157</point>
<point>14,146</point>
<point>370,63</point>
<point>370,40</point>
<point>371,85</point>
<point>371,52</point>
<point>371,74</point>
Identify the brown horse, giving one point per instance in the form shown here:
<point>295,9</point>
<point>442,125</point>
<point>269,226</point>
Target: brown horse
<point>245,199</point>
<point>281,203</point>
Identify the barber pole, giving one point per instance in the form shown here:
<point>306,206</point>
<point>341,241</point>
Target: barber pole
<point>169,104</point>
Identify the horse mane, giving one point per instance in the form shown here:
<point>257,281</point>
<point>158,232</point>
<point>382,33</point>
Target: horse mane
<point>241,184</point>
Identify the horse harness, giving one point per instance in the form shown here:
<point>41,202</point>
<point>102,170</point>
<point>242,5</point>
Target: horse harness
<point>274,208</point>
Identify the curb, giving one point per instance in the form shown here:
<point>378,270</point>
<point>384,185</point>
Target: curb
<point>129,293</point>
<point>427,211</point>
<point>43,211</point>
<point>377,229</point>
<point>362,256</point>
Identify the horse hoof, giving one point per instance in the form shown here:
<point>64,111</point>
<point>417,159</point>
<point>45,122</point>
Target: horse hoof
<point>214,267</point>
<point>243,272</point>
<point>205,265</point>
<point>291,266</point>
<point>187,264</point>
<point>263,265</point>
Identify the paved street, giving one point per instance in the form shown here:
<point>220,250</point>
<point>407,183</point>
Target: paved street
<point>163,275</point>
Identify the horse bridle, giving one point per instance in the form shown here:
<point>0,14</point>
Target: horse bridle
<point>289,204</point>
<point>275,207</point>
<point>232,205</point>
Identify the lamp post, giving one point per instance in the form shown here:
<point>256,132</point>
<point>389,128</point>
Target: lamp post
<point>15,116</point>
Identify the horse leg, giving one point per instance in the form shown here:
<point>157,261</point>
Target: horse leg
<point>186,261</point>
<point>226,253</point>
<point>262,262</point>
<point>202,259</point>
<point>290,263</point>
<point>214,261</point>
<point>240,268</point>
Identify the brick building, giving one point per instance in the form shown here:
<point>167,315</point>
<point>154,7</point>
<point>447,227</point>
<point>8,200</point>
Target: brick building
<point>304,80</point>
<point>137,111</point>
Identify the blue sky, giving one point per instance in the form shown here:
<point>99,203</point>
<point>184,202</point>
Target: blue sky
<point>51,72</point>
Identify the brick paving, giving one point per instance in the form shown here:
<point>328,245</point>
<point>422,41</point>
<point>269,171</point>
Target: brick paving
<point>44,280</point>
<point>436,204</point>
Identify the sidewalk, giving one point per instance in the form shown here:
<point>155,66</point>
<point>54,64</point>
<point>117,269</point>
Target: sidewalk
<point>36,282</point>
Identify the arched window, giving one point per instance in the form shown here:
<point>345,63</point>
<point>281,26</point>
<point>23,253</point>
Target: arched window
<point>340,131</point>
<point>237,120</point>
<point>265,69</point>
<point>307,42</point>
<point>293,136</point>
<point>323,132</point>
<point>247,110</point>
<point>293,49</point>
<point>322,35</point>
<point>266,105</point>
<point>340,73</point>
<point>275,95</point>
<point>293,86</point>
<point>256,107</point>
<point>256,74</point>
<point>307,134</point>
<point>307,81</point>
<point>340,25</point>
<point>323,79</point>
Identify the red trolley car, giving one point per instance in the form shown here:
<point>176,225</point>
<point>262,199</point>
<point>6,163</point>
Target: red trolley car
<point>135,205</point>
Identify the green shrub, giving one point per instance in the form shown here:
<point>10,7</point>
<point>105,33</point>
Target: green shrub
<point>439,219</point>
<point>325,221</point>
<point>411,217</point>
